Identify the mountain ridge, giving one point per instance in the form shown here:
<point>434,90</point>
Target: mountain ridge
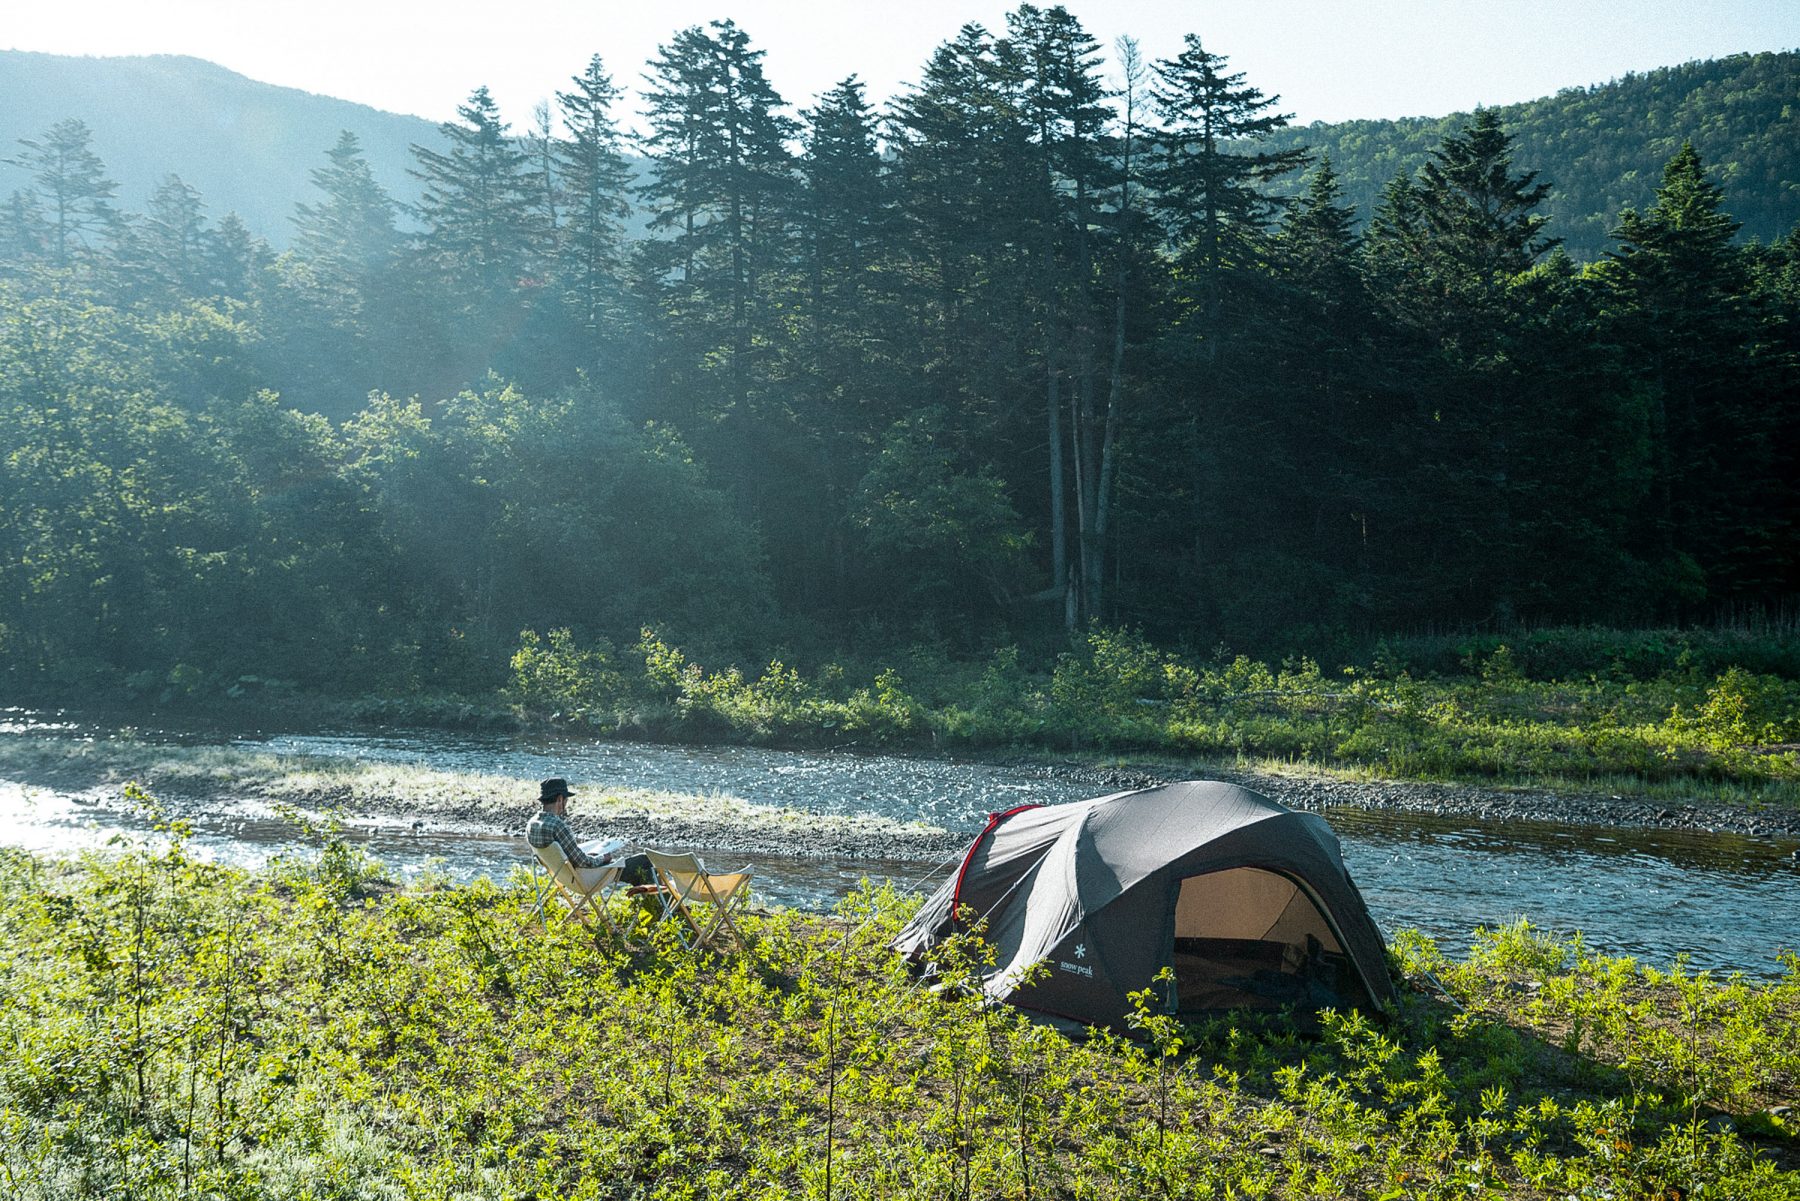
<point>249,147</point>
<point>266,139</point>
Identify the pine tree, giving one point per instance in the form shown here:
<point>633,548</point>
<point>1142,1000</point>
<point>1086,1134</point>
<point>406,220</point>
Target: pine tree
<point>480,207</point>
<point>1328,432</point>
<point>72,187</point>
<point>173,239</point>
<point>1481,221</point>
<point>1061,101</point>
<point>24,234</point>
<point>1444,254</point>
<point>1209,176</point>
<point>232,257</point>
<point>595,184</point>
<point>347,238</point>
<point>850,355</point>
<point>962,162</point>
<point>723,187</point>
<point>1682,304</point>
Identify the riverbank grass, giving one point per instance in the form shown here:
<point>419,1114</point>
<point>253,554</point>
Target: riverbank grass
<point>171,1029</point>
<point>1659,714</point>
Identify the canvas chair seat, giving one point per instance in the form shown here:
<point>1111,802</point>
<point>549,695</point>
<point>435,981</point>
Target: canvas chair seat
<point>585,890</point>
<point>701,904</point>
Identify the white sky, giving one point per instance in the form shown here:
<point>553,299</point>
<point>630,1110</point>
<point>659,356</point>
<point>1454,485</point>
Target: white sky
<point>1328,59</point>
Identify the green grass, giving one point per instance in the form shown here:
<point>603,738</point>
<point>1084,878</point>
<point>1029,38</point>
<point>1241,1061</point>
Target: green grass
<point>1662,716</point>
<point>171,1029</point>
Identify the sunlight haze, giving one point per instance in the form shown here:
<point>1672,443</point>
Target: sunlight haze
<point>1328,61</point>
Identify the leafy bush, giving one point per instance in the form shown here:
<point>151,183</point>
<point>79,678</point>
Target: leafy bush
<point>560,675</point>
<point>175,1029</point>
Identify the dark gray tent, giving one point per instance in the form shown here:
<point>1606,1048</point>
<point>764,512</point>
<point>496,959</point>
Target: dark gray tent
<point>1246,899</point>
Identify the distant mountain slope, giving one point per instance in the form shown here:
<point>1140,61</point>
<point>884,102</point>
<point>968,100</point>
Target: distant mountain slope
<point>1603,147</point>
<point>248,147</point>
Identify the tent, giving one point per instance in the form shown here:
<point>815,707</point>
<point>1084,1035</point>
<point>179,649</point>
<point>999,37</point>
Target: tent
<point>1248,901</point>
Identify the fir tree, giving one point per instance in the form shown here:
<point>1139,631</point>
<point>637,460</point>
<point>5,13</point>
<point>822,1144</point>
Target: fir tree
<point>72,187</point>
<point>348,237</point>
<point>483,228</point>
<point>1209,177</point>
<point>595,181</point>
<point>723,184</point>
<point>1682,303</point>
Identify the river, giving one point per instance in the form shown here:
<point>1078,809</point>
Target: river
<point>1723,902</point>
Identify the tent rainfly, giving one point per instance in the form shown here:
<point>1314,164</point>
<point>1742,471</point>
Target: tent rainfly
<point>1248,901</point>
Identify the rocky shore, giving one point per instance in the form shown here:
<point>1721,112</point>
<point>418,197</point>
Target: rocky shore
<point>203,780</point>
<point>1517,804</point>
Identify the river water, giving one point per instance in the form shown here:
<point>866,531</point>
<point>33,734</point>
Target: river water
<point>1725,903</point>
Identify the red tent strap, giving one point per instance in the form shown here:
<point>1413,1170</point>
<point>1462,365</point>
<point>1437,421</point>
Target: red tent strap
<point>994,819</point>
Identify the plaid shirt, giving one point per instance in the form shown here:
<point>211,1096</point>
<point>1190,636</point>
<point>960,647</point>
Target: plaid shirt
<point>547,828</point>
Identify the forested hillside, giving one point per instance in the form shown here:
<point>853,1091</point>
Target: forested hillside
<point>246,146</point>
<point>1005,358</point>
<point>1602,147</point>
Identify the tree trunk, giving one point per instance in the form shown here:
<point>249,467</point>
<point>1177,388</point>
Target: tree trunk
<point>1059,538</point>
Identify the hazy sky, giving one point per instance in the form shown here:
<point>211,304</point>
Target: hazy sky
<point>1328,59</point>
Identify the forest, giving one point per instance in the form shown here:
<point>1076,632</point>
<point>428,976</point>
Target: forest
<point>1058,340</point>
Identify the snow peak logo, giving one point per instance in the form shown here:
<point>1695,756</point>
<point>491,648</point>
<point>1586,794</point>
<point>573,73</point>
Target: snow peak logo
<point>1078,969</point>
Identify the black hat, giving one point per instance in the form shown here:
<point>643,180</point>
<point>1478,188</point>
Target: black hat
<point>552,788</point>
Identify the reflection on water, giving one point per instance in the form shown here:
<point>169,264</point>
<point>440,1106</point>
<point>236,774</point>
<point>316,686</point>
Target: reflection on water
<point>1726,902</point>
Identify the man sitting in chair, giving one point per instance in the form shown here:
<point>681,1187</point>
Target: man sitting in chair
<point>549,826</point>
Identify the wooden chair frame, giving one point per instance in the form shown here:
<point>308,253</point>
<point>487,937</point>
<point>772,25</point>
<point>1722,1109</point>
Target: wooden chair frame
<point>686,884</point>
<point>586,890</point>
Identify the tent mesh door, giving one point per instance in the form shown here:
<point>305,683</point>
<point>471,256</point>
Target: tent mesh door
<point>1246,938</point>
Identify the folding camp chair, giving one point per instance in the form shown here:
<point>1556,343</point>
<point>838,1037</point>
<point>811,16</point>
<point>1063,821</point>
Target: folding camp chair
<point>687,886</point>
<point>585,889</point>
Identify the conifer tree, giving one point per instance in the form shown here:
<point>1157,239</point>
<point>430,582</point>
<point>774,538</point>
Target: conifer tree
<point>1482,222</point>
<point>1062,105</point>
<point>1445,251</point>
<point>24,234</point>
<point>483,229</point>
<point>1328,428</point>
<point>1209,175</point>
<point>962,164</point>
<point>1683,305</point>
<point>851,353</point>
<point>595,184</point>
<point>173,239</point>
<point>231,258</point>
<point>72,188</point>
<point>722,190</point>
<point>346,327</point>
<point>347,237</point>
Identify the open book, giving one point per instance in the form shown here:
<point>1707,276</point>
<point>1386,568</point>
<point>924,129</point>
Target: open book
<point>603,849</point>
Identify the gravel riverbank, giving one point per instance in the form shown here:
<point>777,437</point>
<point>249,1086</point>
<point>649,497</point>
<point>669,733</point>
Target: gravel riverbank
<point>209,780</point>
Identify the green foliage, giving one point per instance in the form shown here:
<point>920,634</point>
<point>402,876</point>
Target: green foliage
<point>562,675</point>
<point>175,1029</point>
<point>1648,720</point>
<point>1013,361</point>
<point>1602,145</point>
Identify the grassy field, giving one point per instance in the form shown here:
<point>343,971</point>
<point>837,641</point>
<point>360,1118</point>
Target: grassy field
<point>171,1029</point>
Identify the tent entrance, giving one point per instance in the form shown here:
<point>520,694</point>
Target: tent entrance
<point>1246,938</point>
